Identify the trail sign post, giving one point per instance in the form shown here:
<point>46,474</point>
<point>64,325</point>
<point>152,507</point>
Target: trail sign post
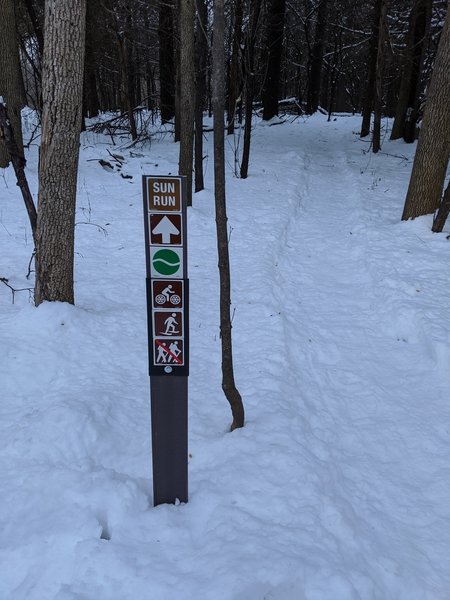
<point>168,332</point>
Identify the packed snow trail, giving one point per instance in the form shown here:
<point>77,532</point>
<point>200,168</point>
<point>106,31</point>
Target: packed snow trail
<point>356,357</point>
<point>336,489</point>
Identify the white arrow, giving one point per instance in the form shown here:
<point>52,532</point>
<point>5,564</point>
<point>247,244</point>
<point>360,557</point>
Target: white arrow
<point>165,228</point>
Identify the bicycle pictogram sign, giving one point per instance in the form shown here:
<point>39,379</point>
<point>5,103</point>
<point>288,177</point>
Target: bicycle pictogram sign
<point>167,294</point>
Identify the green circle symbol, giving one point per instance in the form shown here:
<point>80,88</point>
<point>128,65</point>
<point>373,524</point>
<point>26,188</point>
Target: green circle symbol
<point>166,262</point>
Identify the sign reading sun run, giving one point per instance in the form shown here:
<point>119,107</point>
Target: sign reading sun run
<point>167,283</point>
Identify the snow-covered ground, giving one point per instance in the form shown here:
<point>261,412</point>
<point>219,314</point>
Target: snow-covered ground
<point>337,488</point>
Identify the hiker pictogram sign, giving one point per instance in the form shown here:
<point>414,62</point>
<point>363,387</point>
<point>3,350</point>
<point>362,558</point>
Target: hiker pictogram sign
<point>167,293</point>
<point>165,229</point>
<point>168,323</point>
<point>168,352</point>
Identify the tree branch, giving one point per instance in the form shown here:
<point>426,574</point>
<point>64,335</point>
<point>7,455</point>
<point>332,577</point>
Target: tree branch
<point>18,162</point>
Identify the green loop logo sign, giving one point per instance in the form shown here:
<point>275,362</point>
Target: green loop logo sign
<point>166,262</point>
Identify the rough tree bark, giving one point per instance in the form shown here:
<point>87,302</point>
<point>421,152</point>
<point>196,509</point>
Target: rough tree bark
<point>62,84</point>
<point>228,384</point>
<point>187,92</point>
<point>11,83</point>
<point>433,147</point>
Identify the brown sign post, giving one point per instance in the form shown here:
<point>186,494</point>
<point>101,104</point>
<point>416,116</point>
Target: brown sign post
<point>168,332</point>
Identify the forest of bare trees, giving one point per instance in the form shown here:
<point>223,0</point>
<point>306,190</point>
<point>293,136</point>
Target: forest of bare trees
<point>310,54</point>
<point>152,62</point>
<point>137,63</point>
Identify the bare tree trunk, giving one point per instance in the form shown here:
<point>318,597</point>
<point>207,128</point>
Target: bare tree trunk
<point>177,42</point>
<point>11,82</point>
<point>315,73</point>
<point>121,23</point>
<point>18,162</point>
<point>249,84</point>
<point>201,53</point>
<point>126,76</point>
<point>412,65</point>
<point>433,147</point>
<point>228,383</point>
<point>270,95</point>
<point>335,71</point>
<point>443,212</point>
<point>166,61</point>
<point>187,92</point>
<point>149,69</point>
<point>371,69</point>
<point>378,90</point>
<point>234,75</point>
<point>36,25</point>
<point>62,84</point>
<point>90,96</point>
<point>421,35</point>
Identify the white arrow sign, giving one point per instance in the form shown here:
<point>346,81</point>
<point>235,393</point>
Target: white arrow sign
<point>165,229</point>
